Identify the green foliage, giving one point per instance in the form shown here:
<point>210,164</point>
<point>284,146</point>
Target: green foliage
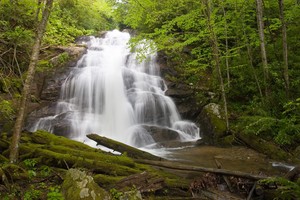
<point>32,194</point>
<point>71,18</point>
<point>116,195</point>
<point>286,189</point>
<point>30,164</point>
<point>6,109</point>
<point>54,193</point>
<point>285,130</point>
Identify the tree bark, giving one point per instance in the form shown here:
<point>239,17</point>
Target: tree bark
<point>216,56</point>
<point>249,52</point>
<point>172,165</point>
<point>260,24</point>
<point>122,148</point>
<point>284,48</point>
<point>14,149</point>
<point>226,48</point>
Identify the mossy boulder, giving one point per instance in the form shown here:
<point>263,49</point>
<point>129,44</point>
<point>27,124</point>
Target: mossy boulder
<point>212,123</point>
<point>78,185</point>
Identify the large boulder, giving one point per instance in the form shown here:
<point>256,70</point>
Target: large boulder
<point>212,123</point>
<point>78,185</point>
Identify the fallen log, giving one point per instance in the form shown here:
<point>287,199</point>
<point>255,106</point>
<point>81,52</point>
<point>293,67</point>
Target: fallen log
<point>144,182</point>
<point>263,146</point>
<point>122,148</point>
<point>174,166</point>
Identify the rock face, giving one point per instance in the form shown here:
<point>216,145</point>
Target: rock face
<point>160,134</point>
<point>154,134</point>
<point>80,186</point>
<point>45,89</point>
<point>212,123</point>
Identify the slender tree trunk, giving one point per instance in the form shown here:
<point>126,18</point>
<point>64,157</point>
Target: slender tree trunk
<point>39,2</point>
<point>253,71</point>
<point>250,56</point>
<point>260,24</point>
<point>226,48</point>
<point>14,148</point>
<point>216,56</point>
<point>285,49</point>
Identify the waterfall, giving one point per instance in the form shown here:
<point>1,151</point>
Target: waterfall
<point>112,94</point>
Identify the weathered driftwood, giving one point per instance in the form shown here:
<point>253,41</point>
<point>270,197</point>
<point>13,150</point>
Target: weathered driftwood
<point>122,148</point>
<point>172,165</point>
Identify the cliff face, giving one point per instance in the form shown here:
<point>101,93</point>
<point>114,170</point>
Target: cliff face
<point>194,102</point>
<point>45,89</point>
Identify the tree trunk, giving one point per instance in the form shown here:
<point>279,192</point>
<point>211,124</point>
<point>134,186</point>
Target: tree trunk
<point>216,57</point>
<point>226,48</point>
<point>175,166</point>
<point>249,52</point>
<point>122,148</point>
<point>284,47</point>
<point>260,24</point>
<point>14,149</point>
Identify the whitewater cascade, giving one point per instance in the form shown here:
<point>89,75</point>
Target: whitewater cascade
<point>112,94</point>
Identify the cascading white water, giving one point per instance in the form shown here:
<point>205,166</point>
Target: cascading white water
<point>112,94</point>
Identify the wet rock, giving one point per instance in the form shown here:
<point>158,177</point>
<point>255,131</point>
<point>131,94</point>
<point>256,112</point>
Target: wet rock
<point>46,86</point>
<point>147,135</point>
<point>83,39</point>
<point>212,123</point>
<point>80,186</point>
<point>161,134</point>
<point>189,100</point>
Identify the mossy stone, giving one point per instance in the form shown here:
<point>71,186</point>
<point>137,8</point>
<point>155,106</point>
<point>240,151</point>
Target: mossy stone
<point>80,186</point>
<point>212,123</point>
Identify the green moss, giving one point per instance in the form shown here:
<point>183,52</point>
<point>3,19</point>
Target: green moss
<point>71,159</point>
<point>43,65</point>
<point>216,119</point>
<point>106,181</point>
<point>265,147</point>
<point>3,159</point>
<point>227,141</point>
<point>15,172</point>
<point>80,186</point>
<point>44,137</point>
<point>94,155</point>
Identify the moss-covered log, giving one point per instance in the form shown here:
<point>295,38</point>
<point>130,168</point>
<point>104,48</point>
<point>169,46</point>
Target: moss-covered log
<point>101,163</point>
<point>263,146</point>
<point>172,165</point>
<point>122,148</point>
